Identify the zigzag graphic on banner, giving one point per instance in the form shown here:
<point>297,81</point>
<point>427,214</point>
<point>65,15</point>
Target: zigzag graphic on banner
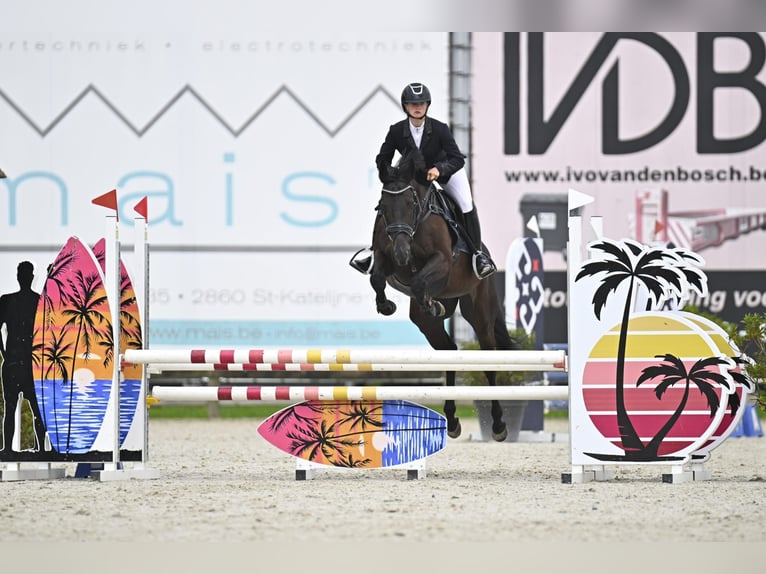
<point>187,89</point>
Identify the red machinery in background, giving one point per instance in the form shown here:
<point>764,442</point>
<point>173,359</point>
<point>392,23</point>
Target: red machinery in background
<point>693,230</point>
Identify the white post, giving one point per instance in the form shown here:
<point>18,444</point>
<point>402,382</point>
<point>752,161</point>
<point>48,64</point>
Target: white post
<point>574,260</point>
<point>112,268</point>
<point>115,470</point>
<point>141,286</point>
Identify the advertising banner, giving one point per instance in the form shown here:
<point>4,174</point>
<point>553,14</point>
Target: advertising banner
<point>255,150</point>
<point>634,120</point>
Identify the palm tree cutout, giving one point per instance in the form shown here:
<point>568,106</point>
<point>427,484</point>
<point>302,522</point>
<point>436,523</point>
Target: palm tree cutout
<point>44,351</point>
<point>85,314</point>
<point>364,415</point>
<point>653,268</point>
<point>130,327</point>
<point>312,434</point>
<point>672,371</point>
<point>688,264</point>
<point>321,440</point>
<point>290,416</point>
<point>52,358</point>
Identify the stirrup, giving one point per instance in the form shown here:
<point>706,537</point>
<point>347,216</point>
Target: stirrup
<point>488,267</point>
<point>362,260</point>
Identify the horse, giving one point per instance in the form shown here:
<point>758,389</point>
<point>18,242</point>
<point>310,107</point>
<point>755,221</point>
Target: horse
<point>415,251</point>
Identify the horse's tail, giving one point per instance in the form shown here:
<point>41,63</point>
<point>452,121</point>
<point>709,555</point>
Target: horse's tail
<point>503,340</point>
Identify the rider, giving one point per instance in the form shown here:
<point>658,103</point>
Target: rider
<point>446,166</point>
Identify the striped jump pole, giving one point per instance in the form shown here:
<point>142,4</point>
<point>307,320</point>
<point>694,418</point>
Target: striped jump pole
<point>544,360</point>
<point>282,394</point>
<point>349,367</point>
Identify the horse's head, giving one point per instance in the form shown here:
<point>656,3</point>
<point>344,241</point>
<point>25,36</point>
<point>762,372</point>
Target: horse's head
<point>403,204</point>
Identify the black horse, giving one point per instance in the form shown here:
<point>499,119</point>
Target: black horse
<point>415,250</point>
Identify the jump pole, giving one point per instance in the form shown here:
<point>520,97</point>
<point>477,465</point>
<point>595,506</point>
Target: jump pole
<point>291,394</point>
<point>530,359</point>
<point>348,367</point>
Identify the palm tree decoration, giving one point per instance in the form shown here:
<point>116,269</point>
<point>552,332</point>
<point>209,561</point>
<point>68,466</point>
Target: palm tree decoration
<point>653,268</point>
<point>130,328</point>
<point>306,437</point>
<point>350,462</point>
<point>52,358</point>
<point>84,312</point>
<point>291,417</point>
<point>52,280</point>
<point>364,415</point>
<point>689,264</point>
<point>319,440</point>
<point>55,271</point>
<point>671,371</point>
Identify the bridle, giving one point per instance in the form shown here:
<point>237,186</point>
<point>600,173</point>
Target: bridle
<point>421,210</point>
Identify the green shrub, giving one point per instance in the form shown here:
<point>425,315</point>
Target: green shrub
<point>750,338</point>
<point>504,378</point>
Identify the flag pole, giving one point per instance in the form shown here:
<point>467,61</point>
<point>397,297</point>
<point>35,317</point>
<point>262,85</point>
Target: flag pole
<point>141,265</point>
<point>115,470</point>
<point>112,266</point>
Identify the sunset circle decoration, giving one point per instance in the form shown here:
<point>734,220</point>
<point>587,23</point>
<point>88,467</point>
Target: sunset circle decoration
<point>650,335</point>
<point>732,416</point>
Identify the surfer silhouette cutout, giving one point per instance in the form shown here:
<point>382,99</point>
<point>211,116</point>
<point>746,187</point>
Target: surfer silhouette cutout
<point>17,315</point>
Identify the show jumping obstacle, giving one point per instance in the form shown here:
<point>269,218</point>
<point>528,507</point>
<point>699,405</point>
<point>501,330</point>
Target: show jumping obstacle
<point>346,367</point>
<point>347,360</point>
<point>363,360</point>
<point>593,452</point>
<point>280,394</point>
<point>522,360</point>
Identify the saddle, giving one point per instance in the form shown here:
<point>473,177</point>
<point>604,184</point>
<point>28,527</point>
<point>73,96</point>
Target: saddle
<point>444,206</point>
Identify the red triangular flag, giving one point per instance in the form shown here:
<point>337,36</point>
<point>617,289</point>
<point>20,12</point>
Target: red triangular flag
<point>658,226</point>
<point>108,200</point>
<point>142,208</point>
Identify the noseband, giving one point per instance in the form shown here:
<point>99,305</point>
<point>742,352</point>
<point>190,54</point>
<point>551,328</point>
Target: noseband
<point>420,211</point>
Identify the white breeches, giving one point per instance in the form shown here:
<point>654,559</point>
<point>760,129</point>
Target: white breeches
<point>459,190</point>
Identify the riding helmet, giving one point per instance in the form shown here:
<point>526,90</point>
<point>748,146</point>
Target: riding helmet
<point>414,94</point>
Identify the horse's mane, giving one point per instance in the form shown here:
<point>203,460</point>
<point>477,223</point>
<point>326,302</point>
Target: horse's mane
<point>412,166</point>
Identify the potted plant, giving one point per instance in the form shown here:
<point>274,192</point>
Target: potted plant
<point>513,411</point>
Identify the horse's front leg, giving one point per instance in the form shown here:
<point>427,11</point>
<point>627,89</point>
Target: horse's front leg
<point>434,332</point>
<point>378,281</point>
<point>428,283</point>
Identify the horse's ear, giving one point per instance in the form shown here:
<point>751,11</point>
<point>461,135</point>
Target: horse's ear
<point>389,174</point>
<point>420,169</point>
<point>418,161</point>
<point>405,167</point>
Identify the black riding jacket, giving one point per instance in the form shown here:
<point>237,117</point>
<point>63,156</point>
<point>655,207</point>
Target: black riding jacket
<point>437,146</point>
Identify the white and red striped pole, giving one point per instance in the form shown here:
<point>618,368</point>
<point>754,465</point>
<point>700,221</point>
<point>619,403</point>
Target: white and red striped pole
<point>538,360</point>
<point>289,393</point>
<point>346,367</point>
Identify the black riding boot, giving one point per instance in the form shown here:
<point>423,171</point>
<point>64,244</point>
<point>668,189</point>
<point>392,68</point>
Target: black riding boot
<point>362,260</point>
<point>483,266</point>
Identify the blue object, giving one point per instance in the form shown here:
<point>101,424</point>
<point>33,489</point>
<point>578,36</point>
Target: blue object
<point>749,425</point>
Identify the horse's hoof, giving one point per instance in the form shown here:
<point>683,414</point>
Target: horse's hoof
<point>455,432</point>
<point>500,436</point>
<point>387,308</point>
<point>437,309</point>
